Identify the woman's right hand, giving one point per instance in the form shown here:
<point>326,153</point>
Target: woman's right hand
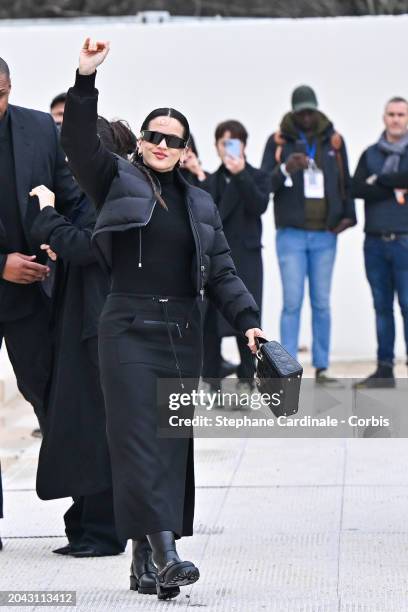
<point>93,53</point>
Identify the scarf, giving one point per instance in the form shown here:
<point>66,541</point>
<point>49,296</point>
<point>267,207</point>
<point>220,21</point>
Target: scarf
<point>393,150</point>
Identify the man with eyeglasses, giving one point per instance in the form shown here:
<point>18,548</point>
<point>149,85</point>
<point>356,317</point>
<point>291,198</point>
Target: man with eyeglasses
<point>381,180</point>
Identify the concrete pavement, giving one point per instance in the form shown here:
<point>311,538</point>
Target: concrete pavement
<point>282,525</point>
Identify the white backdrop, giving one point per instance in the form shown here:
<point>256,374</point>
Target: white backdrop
<point>244,69</point>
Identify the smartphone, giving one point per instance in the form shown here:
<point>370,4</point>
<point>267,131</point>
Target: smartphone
<point>300,147</point>
<point>233,147</point>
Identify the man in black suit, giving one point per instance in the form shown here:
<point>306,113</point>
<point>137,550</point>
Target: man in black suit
<point>30,155</point>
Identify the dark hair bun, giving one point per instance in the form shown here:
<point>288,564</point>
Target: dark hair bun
<point>168,112</point>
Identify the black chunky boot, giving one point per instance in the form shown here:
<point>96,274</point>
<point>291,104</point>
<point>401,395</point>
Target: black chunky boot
<point>172,572</point>
<point>382,378</point>
<point>142,571</point>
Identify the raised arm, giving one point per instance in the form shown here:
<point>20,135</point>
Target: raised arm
<point>93,166</point>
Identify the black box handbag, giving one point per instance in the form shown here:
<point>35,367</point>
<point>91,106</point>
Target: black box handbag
<point>279,375</point>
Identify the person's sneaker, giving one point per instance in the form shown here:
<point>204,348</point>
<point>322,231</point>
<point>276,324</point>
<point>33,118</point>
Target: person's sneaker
<point>214,389</point>
<point>244,392</point>
<point>325,380</point>
<point>377,432</point>
<point>382,378</point>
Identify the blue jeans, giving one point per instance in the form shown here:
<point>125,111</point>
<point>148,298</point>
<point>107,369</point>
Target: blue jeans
<point>386,264</point>
<point>311,254</point>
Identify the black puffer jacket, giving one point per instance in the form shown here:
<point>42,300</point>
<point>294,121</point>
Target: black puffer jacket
<point>126,200</point>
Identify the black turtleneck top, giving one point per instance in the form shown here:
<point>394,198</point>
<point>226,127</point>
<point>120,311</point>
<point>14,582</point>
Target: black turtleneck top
<point>156,259</point>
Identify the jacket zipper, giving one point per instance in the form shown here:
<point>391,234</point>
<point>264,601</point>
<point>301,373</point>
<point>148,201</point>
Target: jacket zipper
<point>163,302</point>
<point>201,267</point>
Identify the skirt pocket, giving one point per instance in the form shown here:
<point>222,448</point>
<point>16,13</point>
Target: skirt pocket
<point>150,326</point>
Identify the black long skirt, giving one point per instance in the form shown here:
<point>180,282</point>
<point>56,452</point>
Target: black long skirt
<point>153,475</point>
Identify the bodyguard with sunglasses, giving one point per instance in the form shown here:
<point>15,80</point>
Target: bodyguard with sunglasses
<point>163,242</point>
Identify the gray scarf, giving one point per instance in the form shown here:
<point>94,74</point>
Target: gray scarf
<point>393,150</point>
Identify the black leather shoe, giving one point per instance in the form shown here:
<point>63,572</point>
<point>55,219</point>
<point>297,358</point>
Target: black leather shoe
<point>322,379</point>
<point>172,572</point>
<point>142,570</point>
<point>1,545</point>
<point>64,550</point>
<point>89,551</point>
<point>382,378</point>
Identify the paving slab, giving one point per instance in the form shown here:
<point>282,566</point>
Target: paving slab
<point>291,462</point>
<point>373,566</point>
<point>377,462</point>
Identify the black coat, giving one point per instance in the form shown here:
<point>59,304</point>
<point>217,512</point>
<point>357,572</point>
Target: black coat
<point>39,160</point>
<point>241,202</point>
<point>74,458</point>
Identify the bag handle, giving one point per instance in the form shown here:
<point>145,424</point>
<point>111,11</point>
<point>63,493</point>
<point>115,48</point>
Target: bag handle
<point>259,340</point>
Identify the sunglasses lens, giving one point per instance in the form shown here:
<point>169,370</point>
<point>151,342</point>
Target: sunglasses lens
<point>153,137</point>
<point>174,142</point>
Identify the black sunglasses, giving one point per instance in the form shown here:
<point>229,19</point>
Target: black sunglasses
<point>173,142</point>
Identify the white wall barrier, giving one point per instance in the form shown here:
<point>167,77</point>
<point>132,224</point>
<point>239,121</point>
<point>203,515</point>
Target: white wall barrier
<point>245,69</point>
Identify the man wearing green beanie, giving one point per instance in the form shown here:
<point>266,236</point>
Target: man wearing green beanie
<point>308,167</point>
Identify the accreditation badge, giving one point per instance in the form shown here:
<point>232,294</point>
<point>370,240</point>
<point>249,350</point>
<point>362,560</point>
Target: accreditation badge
<point>313,181</point>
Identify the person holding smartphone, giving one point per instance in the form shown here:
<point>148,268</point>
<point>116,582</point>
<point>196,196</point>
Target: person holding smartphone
<point>306,160</point>
<point>241,193</point>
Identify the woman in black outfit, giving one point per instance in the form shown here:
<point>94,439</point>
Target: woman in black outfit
<point>162,239</point>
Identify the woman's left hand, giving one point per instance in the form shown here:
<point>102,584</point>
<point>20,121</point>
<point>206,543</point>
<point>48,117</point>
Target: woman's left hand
<point>251,334</point>
<point>45,196</point>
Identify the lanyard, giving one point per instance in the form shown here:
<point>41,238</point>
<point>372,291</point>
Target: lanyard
<point>310,148</point>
